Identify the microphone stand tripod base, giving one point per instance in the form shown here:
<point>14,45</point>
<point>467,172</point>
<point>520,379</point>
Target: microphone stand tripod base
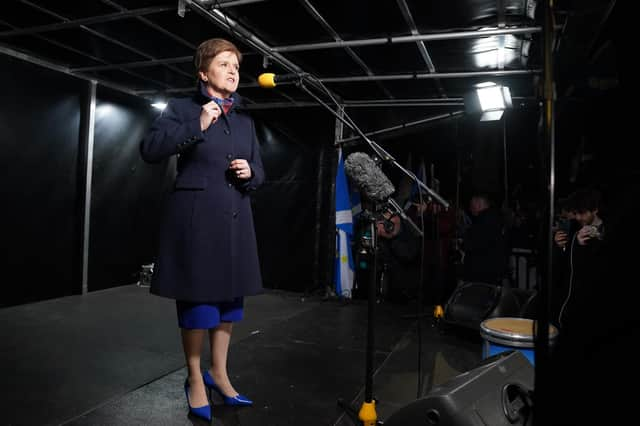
<point>368,414</point>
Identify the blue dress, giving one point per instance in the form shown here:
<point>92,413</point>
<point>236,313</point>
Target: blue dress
<point>196,315</point>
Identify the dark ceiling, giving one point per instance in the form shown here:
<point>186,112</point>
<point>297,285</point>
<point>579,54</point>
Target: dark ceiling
<point>414,53</point>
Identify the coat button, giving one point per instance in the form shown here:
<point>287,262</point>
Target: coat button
<point>229,156</point>
<point>235,214</point>
<point>227,131</point>
<point>229,185</point>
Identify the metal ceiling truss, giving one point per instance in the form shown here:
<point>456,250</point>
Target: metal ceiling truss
<point>211,11</point>
<point>84,21</point>
<point>227,3</point>
<point>274,52</point>
<point>152,25</point>
<point>35,60</point>
<point>455,35</point>
<point>422,48</point>
<point>365,78</point>
<point>104,37</point>
<point>136,64</point>
<point>329,29</point>
<point>501,24</point>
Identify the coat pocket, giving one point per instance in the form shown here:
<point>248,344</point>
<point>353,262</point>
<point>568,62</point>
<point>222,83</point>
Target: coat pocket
<point>191,182</point>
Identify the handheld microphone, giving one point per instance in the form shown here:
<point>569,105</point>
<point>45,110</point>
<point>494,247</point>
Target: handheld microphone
<point>367,175</point>
<point>269,80</point>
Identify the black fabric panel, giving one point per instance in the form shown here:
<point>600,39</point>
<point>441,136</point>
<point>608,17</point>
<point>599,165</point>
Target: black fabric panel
<point>39,134</point>
<point>126,194</point>
<point>285,207</point>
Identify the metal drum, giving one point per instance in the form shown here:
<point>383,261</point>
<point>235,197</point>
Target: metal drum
<point>506,334</point>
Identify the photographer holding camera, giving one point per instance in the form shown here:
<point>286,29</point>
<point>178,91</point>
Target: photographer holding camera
<point>584,249</point>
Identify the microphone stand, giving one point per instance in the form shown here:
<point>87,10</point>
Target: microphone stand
<point>367,415</point>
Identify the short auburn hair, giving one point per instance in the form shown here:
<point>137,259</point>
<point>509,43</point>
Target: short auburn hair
<point>209,49</point>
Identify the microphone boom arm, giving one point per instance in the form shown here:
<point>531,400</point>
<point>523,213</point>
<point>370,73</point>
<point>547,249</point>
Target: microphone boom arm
<point>404,217</point>
<point>384,155</point>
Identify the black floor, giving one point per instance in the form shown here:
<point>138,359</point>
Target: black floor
<point>114,358</point>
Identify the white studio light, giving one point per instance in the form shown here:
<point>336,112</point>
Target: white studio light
<point>159,105</point>
<point>489,100</point>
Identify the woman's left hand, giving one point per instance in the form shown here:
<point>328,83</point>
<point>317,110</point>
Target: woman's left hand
<point>240,168</point>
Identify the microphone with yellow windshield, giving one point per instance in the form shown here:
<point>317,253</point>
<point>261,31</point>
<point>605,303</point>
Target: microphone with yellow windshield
<point>269,80</point>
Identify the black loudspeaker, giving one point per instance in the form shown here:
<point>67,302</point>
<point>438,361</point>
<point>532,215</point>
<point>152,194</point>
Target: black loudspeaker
<point>473,302</point>
<point>497,392</point>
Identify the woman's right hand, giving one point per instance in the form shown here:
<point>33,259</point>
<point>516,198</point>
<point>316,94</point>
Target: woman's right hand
<point>209,115</point>
<point>560,239</point>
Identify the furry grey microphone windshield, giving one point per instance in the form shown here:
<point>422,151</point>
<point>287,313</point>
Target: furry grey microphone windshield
<point>367,175</point>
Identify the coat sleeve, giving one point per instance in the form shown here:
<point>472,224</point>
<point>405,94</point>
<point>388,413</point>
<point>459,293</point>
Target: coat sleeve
<point>170,134</point>
<point>255,163</point>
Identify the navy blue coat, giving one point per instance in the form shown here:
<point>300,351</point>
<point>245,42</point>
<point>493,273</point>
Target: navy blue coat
<point>207,247</point>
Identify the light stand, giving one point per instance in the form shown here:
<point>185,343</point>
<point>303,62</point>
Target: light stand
<point>367,414</point>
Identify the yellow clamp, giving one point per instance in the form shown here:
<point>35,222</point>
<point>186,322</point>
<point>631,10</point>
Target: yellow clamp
<point>438,312</point>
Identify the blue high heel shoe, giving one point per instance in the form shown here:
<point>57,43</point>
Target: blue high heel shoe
<point>203,412</point>
<point>238,400</point>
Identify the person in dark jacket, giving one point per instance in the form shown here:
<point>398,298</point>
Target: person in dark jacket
<point>207,258</point>
<point>584,251</point>
<point>564,230</point>
<point>484,243</point>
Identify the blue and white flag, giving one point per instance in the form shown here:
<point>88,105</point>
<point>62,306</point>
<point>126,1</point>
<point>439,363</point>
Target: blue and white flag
<point>344,232</point>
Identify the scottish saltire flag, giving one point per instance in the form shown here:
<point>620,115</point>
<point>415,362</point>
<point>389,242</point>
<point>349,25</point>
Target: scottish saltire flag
<point>344,232</point>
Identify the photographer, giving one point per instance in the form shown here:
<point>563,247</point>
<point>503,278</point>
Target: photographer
<point>564,230</point>
<point>584,250</point>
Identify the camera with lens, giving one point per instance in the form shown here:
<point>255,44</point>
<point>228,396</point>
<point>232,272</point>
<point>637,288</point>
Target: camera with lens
<point>564,225</point>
